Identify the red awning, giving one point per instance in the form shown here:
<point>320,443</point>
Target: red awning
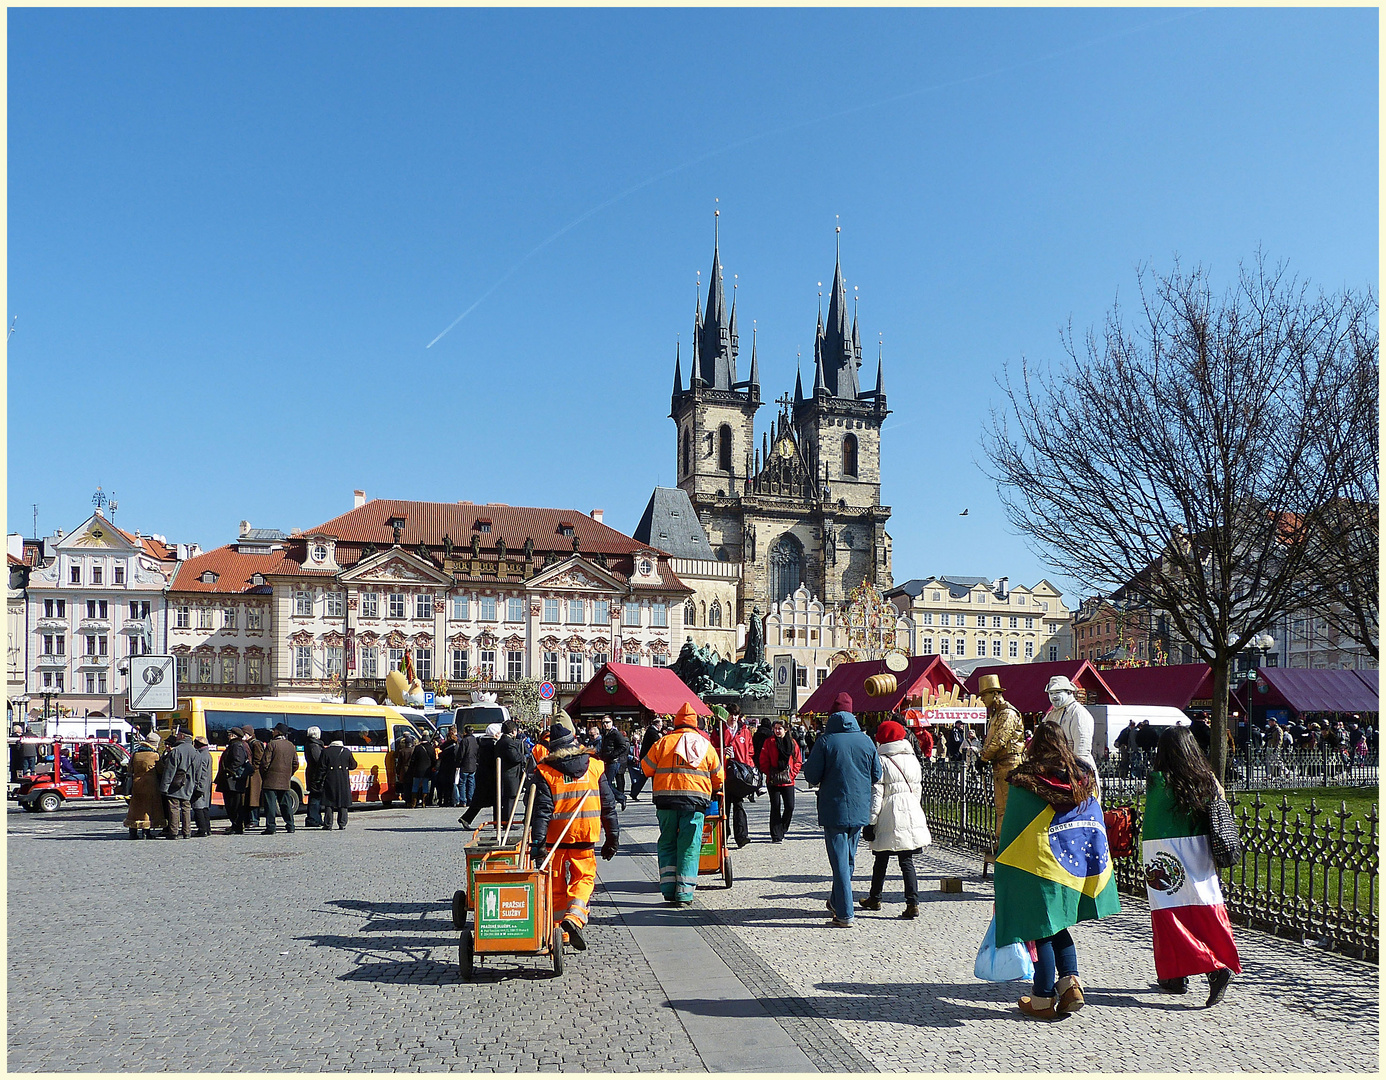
<point>655,689</point>
<point>1024,683</point>
<point>1316,690</point>
<point>923,675</point>
<point>1176,685</point>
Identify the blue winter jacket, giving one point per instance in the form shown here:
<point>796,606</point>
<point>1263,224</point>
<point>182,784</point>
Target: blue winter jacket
<point>844,764</point>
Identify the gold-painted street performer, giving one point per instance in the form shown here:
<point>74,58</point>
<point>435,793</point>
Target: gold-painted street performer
<point>1005,741</point>
<point>571,783</point>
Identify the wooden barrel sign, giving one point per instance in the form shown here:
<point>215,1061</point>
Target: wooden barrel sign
<point>880,685</point>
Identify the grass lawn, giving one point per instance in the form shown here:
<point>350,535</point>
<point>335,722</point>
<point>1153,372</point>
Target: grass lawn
<point>1330,799</point>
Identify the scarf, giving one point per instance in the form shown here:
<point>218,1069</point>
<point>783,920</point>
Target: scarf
<point>784,748</point>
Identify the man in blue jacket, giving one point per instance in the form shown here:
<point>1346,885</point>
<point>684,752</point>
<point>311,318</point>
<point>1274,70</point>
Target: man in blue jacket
<point>843,765</point>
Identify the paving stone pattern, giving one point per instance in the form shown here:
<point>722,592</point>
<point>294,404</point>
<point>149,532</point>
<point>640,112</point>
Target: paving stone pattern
<point>335,951</point>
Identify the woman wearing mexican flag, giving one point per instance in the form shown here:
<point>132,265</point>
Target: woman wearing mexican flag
<point>1192,935</point>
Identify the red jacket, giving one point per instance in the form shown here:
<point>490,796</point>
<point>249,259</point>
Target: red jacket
<point>741,748</point>
<point>770,758</point>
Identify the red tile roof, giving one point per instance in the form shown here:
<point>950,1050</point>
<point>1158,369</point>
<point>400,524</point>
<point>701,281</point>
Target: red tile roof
<point>657,690</point>
<point>16,562</point>
<point>234,571</point>
<point>155,549</point>
<point>924,674</point>
<point>429,522</point>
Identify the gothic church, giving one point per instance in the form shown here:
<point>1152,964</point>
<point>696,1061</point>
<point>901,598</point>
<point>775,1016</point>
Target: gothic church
<point>802,507</point>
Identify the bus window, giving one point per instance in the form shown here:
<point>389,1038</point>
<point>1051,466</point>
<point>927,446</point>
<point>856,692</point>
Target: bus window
<point>219,722</point>
<point>367,731</point>
<point>331,726</point>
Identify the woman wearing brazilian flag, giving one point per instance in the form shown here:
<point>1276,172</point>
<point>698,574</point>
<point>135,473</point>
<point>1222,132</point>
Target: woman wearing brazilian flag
<point>1192,935</point>
<point>1053,868</point>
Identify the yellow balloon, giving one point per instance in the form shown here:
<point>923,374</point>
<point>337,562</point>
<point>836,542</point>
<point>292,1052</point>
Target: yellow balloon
<point>395,686</point>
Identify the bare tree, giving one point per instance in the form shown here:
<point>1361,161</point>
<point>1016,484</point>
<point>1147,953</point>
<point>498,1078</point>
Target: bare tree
<point>1189,457</point>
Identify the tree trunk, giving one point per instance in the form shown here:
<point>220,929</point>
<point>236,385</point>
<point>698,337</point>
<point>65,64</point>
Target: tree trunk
<point>1217,746</point>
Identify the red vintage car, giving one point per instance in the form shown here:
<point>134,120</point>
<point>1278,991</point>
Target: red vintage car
<point>79,770</point>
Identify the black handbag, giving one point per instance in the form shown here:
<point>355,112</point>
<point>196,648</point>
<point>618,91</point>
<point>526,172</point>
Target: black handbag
<point>1222,833</point>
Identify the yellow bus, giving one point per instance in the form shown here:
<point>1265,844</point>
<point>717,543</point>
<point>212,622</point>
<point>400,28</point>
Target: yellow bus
<point>368,731</point>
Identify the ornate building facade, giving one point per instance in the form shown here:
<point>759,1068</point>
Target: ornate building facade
<point>800,504</point>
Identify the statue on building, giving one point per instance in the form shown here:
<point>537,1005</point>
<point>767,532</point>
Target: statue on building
<point>830,543</point>
<point>500,548</point>
<point>447,546</point>
<point>529,547</point>
<point>476,546</point>
<point>749,541</point>
<point>398,531</point>
<point>422,552</point>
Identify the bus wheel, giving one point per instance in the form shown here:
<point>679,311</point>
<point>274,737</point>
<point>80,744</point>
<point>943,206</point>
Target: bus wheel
<point>293,800</point>
<point>49,801</point>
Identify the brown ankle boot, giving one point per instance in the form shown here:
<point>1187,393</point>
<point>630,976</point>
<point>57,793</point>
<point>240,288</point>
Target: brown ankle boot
<point>1041,1008</point>
<point>1070,995</point>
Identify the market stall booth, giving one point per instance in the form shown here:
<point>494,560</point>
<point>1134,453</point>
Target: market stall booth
<point>1024,683</point>
<point>1286,693</point>
<point>924,689</point>
<point>1177,686</point>
<point>632,694</point>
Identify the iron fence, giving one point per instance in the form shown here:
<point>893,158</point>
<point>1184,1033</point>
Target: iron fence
<point>1306,871</point>
<point>1254,768</point>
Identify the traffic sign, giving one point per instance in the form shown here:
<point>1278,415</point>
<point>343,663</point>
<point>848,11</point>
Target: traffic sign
<point>546,691</point>
<point>428,699</point>
<point>153,684</point>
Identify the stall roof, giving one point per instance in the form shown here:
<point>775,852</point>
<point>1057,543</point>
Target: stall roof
<point>851,679</point>
<point>1176,685</point>
<point>1320,689</point>
<point>655,689</point>
<point>1024,683</point>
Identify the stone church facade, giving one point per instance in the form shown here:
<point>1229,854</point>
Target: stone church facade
<point>800,503</point>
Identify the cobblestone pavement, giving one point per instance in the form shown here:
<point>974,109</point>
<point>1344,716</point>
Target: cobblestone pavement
<point>333,951</point>
<point>902,996</point>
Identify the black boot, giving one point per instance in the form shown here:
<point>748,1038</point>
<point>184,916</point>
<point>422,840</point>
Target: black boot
<point>134,834</point>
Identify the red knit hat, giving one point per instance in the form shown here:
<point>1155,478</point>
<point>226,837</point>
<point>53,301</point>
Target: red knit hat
<point>843,702</point>
<point>890,731</point>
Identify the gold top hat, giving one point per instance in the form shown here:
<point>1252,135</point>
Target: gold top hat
<point>989,683</point>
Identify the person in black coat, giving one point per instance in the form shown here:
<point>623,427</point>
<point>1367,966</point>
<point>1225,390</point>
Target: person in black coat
<point>445,774</point>
<point>312,775</point>
<point>764,731</point>
<point>499,744</point>
<point>653,730</point>
<point>615,753</point>
<point>337,763</point>
<point>233,760</point>
<point>420,768</point>
<point>467,750</point>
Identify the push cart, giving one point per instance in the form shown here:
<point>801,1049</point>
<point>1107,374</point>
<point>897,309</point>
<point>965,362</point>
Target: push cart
<point>489,848</point>
<point>713,857</point>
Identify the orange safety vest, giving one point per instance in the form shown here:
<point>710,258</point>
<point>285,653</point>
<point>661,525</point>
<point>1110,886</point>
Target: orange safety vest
<point>582,795</point>
<point>673,776</point>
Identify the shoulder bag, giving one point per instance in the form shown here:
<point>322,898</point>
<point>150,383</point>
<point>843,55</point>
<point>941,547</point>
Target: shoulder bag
<point>1222,833</point>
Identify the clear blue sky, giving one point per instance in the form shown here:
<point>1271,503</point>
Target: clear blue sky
<point>233,233</point>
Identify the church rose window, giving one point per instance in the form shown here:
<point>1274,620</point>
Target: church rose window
<point>786,558</point>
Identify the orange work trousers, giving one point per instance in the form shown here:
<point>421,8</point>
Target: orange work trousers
<point>574,877</point>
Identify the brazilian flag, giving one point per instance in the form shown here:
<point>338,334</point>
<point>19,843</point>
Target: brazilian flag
<point>1052,870</point>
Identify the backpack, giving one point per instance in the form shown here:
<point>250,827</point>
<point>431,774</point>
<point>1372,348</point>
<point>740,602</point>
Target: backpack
<point>1120,824</point>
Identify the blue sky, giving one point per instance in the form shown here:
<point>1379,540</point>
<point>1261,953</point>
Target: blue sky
<point>232,235</point>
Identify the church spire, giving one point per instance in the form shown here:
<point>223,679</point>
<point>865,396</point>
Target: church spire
<point>819,386</point>
<point>716,348</point>
<point>678,371</point>
<point>798,383</point>
<point>753,390</point>
<point>880,376</point>
<point>839,356</point>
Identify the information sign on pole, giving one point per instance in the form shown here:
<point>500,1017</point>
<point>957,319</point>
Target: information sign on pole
<point>784,682</point>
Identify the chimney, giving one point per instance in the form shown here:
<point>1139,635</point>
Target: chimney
<point>245,529</point>
<point>1003,586</point>
<point>596,516</point>
<point>358,499</point>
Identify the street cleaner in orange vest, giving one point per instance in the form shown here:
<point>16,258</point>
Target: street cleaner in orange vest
<point>686,772</point>
<point>571,783</point>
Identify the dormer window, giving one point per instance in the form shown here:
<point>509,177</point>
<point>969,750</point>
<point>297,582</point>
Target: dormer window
<point>320,552</point>
<point>257,579</point>
<point>483,525</point>
<point>209,577</point>
<point>397,523</point>
<point>645,567</point>
<point>565,528</point>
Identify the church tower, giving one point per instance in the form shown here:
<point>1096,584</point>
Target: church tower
<point>715,412</point>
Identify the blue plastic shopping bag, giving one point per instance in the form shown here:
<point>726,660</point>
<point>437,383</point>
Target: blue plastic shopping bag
<point>1006,964</point>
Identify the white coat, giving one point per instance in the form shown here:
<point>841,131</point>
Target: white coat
<point>895,801</point>
<point>1077,725</point>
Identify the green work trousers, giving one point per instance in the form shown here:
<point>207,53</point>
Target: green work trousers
<point>680,842</point>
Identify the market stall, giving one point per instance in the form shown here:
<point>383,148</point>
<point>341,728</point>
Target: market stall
<point>632,694</point>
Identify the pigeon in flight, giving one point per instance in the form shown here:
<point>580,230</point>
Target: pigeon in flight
<point>964,513</point>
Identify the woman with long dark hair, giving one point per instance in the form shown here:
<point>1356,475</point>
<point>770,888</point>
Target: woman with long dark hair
<point>1190,929</point>
<point>1053,867</point>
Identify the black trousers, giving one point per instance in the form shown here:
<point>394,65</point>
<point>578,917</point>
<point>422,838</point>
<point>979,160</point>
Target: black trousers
<point>741,828</point>
<point>327,812</point>
<point>878,873</point>
<point>232,801</point>
<point>202,820</point>
<point>781,811</point>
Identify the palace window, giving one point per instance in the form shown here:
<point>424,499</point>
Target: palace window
<point>1014,622</point>
<point>1029,650</point>
<point>996,647</point>
<point>303,603</point>
<point>303,661</point>
<point>576,612</point>
<point>396,607</point>
<point>396,657</point>
<point>180,664</point>
<point>254,618</point>
<point>57,609</point>
<point>943,620</point>
<point>204,669</point>
<point>598,659</point>
<point>551,667</point>
<point>461,607</point>
<point>97,609</point>
<point>820,675</point>
<point>1029,624</point>
<point>423,606</point>
<point>334,661</point>
<point>659,660</point>
<point>514,666</point>
<point>630,613</point>
<point>550,609</point>
<point>601,612</point>
<point>335,604</point>
<point>996,622</point>
<point>487,663</point>
<point>228,670</point>
<point>204,618</point>
<point>961,649</point>
<point>926,646</point>
<point>659,614</point>
<point>423,664</point>
<point>459,664</point>
<point>370,605</point>
<point>487,609</point>
<point>1013,649</point>
<point>228,618</point>
<point>575,667</point>
<point>943,646</point>
<point>849,456</point>
<point>927,619</point>
<point>253,671</point>
<point>1053,653</point>
<point>634,661</point>
<point>515,609</point>
<point>74,576</point>
<point>119,574</point>
<point>369,661</point>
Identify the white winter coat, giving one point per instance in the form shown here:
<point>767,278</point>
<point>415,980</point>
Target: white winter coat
<point>895,801</point>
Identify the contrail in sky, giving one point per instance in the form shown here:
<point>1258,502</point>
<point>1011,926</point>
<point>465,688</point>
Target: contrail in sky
<point>747,140</point>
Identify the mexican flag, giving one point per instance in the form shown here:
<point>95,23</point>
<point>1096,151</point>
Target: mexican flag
<point>1052,870</point>
<point>1191,930</point>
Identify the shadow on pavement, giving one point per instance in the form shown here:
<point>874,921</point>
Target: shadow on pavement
<point>389,908</point>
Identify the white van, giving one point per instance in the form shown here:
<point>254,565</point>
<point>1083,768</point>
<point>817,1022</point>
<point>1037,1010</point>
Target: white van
<point>1109,720</point>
